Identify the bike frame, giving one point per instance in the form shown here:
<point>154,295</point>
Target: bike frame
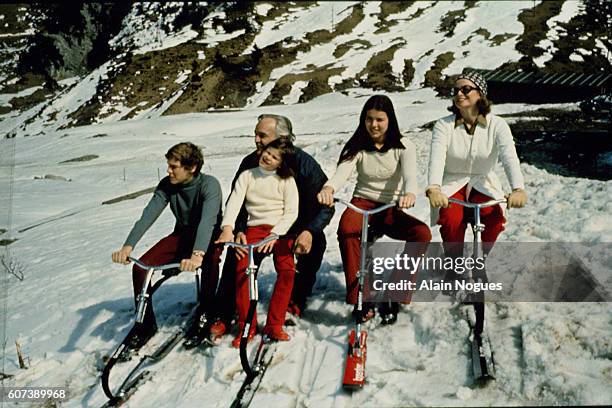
<point>363,254</point>
<point>477,251</point>
<point>142,299</point>
<point>251,272</point>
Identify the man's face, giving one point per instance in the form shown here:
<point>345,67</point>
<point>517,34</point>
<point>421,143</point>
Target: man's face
<point>265,132</point>
<point>178,173</point>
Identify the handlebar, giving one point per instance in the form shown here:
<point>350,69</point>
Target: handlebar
<point>253,245</point>
<point>359,210</point>
<point>156,267</point>
<point>477,205</point>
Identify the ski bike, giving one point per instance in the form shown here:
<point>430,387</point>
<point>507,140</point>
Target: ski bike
<point>354,370</point>
<point>483,363</point>
<point>129,385</point>
<point>264,353</point>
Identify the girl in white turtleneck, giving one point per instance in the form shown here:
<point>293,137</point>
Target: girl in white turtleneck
<point>270,196</point>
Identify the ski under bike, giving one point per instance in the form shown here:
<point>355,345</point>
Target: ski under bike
<point>264,353</point>
<point>483,363</point>
<point>129,385</point>
<point>354,369</point>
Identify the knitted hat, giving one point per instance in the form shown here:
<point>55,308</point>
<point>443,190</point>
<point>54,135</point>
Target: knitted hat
<point>477,79</point>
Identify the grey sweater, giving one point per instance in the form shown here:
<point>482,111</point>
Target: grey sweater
<point>196,205</point>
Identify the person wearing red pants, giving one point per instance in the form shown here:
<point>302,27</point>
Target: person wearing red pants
<point>465,148</point>
<point>195,200</point>
<point>385,163</point>
<point>271,199</point>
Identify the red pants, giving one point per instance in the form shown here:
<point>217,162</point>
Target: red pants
<point>453,223</point>
<point>392,222</point>
<point>285,269</point>
<point>169,250</point>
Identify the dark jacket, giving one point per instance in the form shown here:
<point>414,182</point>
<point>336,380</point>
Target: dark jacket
<point>309,178</point>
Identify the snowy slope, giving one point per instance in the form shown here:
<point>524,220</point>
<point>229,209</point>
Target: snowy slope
<point>74,306</point>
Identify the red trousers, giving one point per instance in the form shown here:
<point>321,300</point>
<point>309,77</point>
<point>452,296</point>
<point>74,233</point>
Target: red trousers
<point>169,250</point>
<point>453,223</point>
<point>392,222</point>
<point>285,269</point>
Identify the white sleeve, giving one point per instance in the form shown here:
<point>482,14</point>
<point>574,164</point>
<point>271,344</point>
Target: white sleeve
<point>236,199</point>
<point>342,174</point>
<point>409,167</point>
<point>508,156</point>
<point>291,200</point>
<point>437,154</point>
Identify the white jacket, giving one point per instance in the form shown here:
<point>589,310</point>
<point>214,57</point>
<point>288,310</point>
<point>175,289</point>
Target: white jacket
<point>458,158</point>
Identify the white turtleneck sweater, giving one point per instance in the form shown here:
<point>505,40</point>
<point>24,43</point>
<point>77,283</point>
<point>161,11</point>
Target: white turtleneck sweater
<point>381,177</point>
<point>269,200</point>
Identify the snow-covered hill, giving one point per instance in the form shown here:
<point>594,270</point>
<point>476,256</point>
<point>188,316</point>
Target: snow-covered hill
<point>166,58</point>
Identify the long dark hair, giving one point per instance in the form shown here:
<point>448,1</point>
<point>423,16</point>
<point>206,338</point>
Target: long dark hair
<point>361,140</point>
<point>288,165</point>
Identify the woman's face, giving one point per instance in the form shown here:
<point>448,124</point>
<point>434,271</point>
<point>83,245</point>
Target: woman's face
<point>376,123</point>
<point>271,159</point>
<point>466,94</point>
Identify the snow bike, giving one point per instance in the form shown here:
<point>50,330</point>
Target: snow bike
<point>483,363</point>
<point>264,354</point>
<point>354,370</point>
<point>129,385</point>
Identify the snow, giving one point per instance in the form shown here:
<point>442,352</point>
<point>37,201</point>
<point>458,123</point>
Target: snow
<point>554,354</point>
<point>295,93</point>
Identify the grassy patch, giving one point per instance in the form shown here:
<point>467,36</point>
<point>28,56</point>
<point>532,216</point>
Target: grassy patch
<point>386,9</point>
<point>449,22</point>
<point>317,85</point>
<point>7,242</point>
<point>408,72</point>
<point>25,102</point>
<point>534,20</point>
<point>494,41</point>
<point>378,73</point>
<point>433,77</point>
<point>87,157</point>
<point>345,47</point>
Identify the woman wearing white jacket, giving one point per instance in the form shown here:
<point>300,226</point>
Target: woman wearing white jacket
<point>465,148</point>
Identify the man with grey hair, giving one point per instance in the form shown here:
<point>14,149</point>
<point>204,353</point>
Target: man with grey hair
<point>310,240</point>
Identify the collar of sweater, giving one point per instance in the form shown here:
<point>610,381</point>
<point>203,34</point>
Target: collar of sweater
<point>266,172</point>
<point>194,180</point>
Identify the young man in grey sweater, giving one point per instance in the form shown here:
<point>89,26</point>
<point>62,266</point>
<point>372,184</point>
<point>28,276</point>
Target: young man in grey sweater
<point>195,200</point>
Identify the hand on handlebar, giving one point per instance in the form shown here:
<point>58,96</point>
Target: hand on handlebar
<point>240,239</point>
<point>406,201</point>
<point>121,256</point>
<point>517,199</point>
<point>437,198</point>
<point>191,264</point>
<point>326,196</point>
<point>267,247</point>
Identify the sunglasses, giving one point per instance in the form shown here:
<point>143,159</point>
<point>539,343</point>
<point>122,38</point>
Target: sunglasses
<point>466,89</point>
